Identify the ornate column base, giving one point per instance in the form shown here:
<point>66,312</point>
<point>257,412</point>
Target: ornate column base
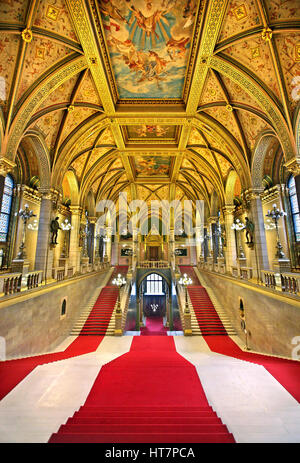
<point>118,324</point>
<point>281,265</point>
<point>20,266</point>
<point>187,324</point>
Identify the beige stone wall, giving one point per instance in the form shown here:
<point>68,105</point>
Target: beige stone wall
<point>273,320</point>
<point>32,323</point>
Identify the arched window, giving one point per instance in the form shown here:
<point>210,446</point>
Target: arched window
<point>6,207</point>
<point>294,207</point>
<point>154,284</point>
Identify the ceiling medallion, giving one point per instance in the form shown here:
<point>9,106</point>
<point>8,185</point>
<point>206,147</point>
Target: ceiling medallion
<point>266,34</point>
<point>27,35</point>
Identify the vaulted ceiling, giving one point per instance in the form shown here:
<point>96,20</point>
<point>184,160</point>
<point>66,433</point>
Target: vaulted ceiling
<point>161,99</point>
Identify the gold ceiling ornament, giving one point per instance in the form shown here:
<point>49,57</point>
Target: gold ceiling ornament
<point>266,34</point>
<point>27,35</point>
<point>6,166</point>
<point>229,107</point>
<point>71,108</point>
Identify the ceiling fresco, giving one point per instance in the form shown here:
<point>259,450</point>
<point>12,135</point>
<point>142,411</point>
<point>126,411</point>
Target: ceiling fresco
<point>152,165</point>
<point>147,132</point>
<point>148,44</point>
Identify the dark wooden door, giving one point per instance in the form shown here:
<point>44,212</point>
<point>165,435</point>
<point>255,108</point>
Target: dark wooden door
<point>153,252</point>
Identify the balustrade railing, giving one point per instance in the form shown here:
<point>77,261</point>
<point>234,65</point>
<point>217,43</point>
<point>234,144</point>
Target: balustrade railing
<point>153,264</point>
<point>34,279</point>
<point>11,283</point>
<point>284,282</point>
<point>290,283</point>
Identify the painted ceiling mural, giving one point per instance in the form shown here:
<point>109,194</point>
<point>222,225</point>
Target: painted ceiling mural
<point>150,131</point>
<point>148,43</point>
<point>141,121</point>
<point>152,165</point>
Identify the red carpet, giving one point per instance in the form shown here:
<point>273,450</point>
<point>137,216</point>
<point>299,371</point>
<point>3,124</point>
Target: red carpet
<point>286,372</point>
<point>150,394</point>
<point>207,317</point>
<point>100,316</point>
<point>154,327</point>
<point>13,372</point>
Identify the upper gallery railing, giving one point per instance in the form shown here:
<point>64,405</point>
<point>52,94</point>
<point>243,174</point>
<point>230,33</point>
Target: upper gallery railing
<point>153,264</point>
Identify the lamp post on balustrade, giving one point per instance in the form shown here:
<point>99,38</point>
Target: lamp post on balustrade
<point>275,215</point>
<point>239,226</point>
<point>66,227</point>
<point>186,281</point>
<point>119,282</point>
<point>25,215</point>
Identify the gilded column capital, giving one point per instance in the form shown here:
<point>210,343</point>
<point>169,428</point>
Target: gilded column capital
<point>76,210</point>
<point>93,219</point>
<point>293,166</point>
<point>253,193</point>
<point>6,166</point>
<point>213,219</point>
<point>51,194</point>
<point>228,209</point>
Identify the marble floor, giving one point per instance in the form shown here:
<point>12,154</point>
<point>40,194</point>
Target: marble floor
<point>253,405</point>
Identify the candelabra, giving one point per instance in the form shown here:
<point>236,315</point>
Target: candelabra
<point>186,281</point>
<point>85,234</point>
<point>239,226</point>
<point>275,215</point>
<point>119,282</point>
<point>33,226</point>
<point>25,215</point>
<point>206,239</point>
<point>269,225</point>
<point>217,234</point>
<point>66,227</point>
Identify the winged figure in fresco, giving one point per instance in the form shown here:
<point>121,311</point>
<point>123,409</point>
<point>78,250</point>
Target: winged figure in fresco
<point>177,48</point>
<point>149,23</point>
<point>108,8</point>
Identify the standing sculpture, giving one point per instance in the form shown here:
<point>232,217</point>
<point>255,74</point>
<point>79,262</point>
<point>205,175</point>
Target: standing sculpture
<point>54,227</point>
<point>249,227</point>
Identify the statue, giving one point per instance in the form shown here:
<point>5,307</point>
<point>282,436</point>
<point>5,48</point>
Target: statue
<point>249,231</point>
<point>54,227</point>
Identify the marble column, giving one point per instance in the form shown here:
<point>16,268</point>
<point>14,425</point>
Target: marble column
<point>259,254</point>
<point>199,241</point>
<point>91,239</point>
<point>172,248</point>
<point>44,250</point>
<point>230,251</point>
<point>74,253</point>
<point>108,243</point>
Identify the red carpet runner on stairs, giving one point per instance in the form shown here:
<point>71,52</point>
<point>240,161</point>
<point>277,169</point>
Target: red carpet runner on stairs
<point>286,372</point>
<point>151,394</point>
<point>208,320</point>
<point>99,318</point>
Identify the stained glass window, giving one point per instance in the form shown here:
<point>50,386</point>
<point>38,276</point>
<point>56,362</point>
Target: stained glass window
<point>6,207</point>
<point>294,207</point>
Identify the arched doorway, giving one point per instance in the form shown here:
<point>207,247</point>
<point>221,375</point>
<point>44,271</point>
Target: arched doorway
<point>154,304</point>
